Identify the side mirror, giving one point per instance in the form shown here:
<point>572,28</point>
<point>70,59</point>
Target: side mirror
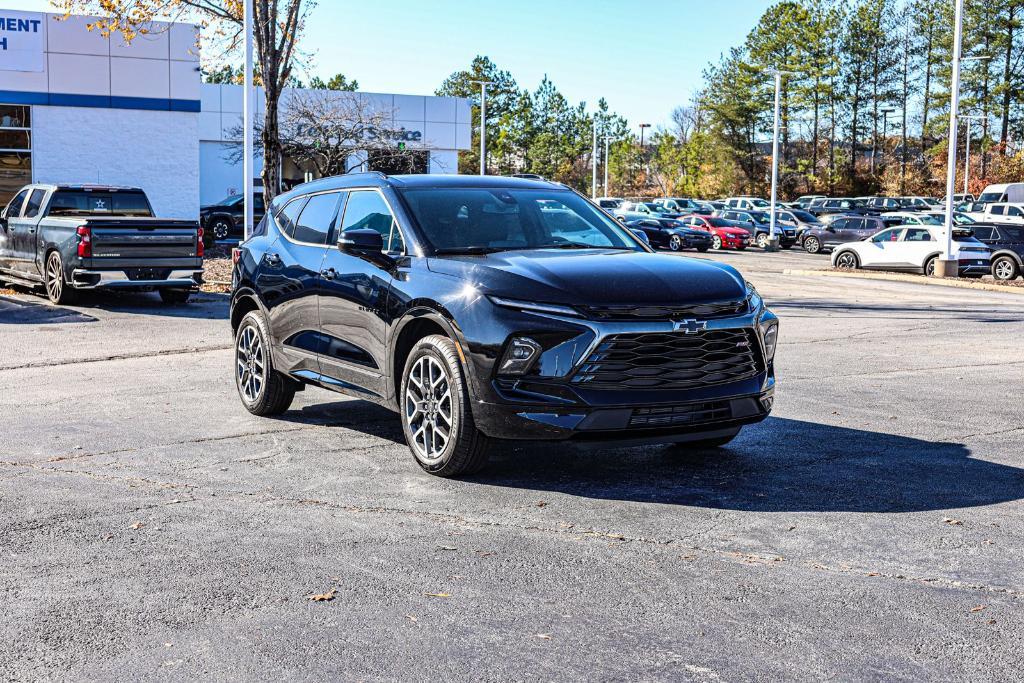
<point>361,241</point>
<point>621,219</point>
<point>829,228</point>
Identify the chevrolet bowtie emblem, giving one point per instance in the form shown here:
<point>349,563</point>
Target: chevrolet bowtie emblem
<point>689,326</point>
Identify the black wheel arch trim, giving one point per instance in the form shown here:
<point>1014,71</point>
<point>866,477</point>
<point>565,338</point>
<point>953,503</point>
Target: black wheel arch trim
<point>1009,252</point>
<point>435,313</point>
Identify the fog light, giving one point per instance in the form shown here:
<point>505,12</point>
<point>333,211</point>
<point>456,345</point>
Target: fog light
<point>770,334</point>
<point>519,357</point>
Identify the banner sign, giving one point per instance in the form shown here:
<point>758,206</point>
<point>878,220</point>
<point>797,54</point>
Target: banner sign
<point>22,43</point>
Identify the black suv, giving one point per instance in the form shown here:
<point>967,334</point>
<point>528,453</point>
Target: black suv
<point>1007,244</point>
<point>227,217</point>
<point>844,205</point>
<point>485,308</point>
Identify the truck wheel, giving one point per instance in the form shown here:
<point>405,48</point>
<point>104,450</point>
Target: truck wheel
<point>221,229</point>
<point>264,391</point>
<point>175,296</point>
<point>1005,268</point>
<point>435,409</point>
<point>57,291</point>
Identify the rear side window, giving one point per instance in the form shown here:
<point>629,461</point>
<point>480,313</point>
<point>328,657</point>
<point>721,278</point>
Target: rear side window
<point>1012,211</point>
<point>917,235</point>
<point>317,218</point>
<point>997,210</point>
<point>985,233</point>
<point>35,200</point>
<point>289,215</point>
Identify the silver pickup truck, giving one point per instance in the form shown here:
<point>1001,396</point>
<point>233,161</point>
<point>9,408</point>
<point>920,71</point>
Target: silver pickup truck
<point>74,237</point>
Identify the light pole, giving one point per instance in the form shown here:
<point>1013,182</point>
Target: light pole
<point>593,174</point>
<point>946,265</point>
<point>607,158</point>
<point>642,126</point>
<point>247,146</point>
<point>483,125</point>
<point>967,149</point>
<point>773,240</point>
<point>885,128</point>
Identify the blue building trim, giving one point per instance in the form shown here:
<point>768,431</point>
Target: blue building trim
<point>98,101</point>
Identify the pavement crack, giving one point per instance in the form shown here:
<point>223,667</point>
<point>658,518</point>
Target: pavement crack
<point>117,356</point>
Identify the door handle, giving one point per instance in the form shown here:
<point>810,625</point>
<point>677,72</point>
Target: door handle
<point>329,273</point>
<point>272,259</point>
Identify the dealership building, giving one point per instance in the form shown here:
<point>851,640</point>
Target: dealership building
<point>78,107</point>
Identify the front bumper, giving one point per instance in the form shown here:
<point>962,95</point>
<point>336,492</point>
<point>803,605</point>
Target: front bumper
<point>136,278</point>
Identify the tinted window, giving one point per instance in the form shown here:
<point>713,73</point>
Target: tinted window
<point>368,210</point>
<point>1010,234</point>
<point>317,218</point>
<point>997,210</point>
<point>1012,211</point>
<point>888,235</point>
<point>90,203</point>
<point>989,197</point>
<point>985,233</point>
<point>35,200</point>
<point>840,224</point>
<point>917,235</point>
<point>14,208</point>
<point>286,219</point>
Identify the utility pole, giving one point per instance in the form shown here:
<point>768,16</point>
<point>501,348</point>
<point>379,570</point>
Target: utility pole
<point>946,265</point>
<point>773,239</point>
<point>247,146</point>
<point>483,125</point>
<point>607,158</point>
<point>885,128</point>
<point>594,154</point>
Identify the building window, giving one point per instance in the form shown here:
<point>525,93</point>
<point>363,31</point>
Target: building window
<point>15,149</point>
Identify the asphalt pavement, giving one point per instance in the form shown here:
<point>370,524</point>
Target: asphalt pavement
<point>873,528</point>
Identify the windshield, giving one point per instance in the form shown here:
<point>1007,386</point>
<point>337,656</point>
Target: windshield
<point>720,223</point>
<point>989,197</point>
<point>804,216</point>
<point>468,220</point>
<point>98,203</point>
<point>230,200</point>
<point>759,202</point>
<point>928,220</point>
<point>760,217</point>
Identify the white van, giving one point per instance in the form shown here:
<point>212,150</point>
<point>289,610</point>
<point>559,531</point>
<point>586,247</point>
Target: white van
<point>1003,192</point>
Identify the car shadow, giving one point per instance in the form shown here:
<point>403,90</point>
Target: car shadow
<point>19,312</point>
<point>201,305</point>
<point>780,465</point>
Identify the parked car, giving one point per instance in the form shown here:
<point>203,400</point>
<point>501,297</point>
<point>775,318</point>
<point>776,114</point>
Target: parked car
<point>636,209</point>
<point>663,211</point>
<point>724,234</point>
<point>914,248</point>
<point>799,219</point>
<point>704,208</point>
<point>919,204</point>
<point>803,201</point>
<point>845,205</point>
<point>1001,192</point>
<point>882,204</point>
<point>680,205</point>
<point>672,235</point>
<point>912,218</point>
<point>1007,245</point>
<point>747,203</point>
<point>226,218</point>
<point>74,237</point>
<point>959,217</point>
<point>843,230</point>
<point>457,302</point>
<point>1000,212</point>
<point>962,198</point>
<point>758,223</point>
<point>609,203</point>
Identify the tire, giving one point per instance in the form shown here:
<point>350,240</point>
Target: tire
<point>432,379</point>
<point>271,395</point>
<point>812,245</point>
<point>221,229</point>
<point>1005,268</point>
<point>848,260</point>
<point>675,243</point>
<point>175,296</point>
<point>762,240</point>
<point>716,242</point>
<point>57,290</point>
<point>929,266</point>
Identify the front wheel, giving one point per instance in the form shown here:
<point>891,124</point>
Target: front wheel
<point>847,260</point>
<point>435,409</point>
<point>57,291</point>
<point>929,266</point>
<point>716,242</point>
<point>812,245</point>
<point>762,240</point>
<point>264,391</point>
<point>221,229</point>
<point>1005,268</point>
<point>675,243</point>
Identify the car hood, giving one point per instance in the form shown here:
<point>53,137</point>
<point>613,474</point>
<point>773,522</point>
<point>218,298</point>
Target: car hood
<point>738,232</point>
<point>597,276</point>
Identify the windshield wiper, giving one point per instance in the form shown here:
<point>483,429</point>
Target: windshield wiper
<point>572,245</point>
<point>474,249</point>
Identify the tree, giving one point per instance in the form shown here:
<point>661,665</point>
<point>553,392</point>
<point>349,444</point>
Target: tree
<point>336,82</point>
<point>277,27</point>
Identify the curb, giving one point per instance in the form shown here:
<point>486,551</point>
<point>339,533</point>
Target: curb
<point>913,279</point>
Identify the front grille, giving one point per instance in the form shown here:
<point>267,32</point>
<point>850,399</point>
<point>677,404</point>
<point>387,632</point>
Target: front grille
<point>671,360</point>
<point>707,311</point>
<point>671,416</point>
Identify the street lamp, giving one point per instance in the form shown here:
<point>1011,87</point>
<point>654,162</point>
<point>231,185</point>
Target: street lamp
<point>885,127</point>
<point>967,149</point>
<point>642,126</point>
<point>483,125</point>
<point>594,155</point>
<point>607,158</point>
<point>247,146</point>
<point>773,240</point>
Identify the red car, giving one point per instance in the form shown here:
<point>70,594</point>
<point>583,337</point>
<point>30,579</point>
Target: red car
<point>724,234</point>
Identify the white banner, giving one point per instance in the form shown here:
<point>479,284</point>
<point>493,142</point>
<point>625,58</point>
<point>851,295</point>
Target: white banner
<point>21,41</point>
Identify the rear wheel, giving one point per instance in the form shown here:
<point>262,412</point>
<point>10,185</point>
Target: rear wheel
<point>675,242</point>
<point>435,409</point>
<point>929,265</point>
<point>762,240</point>
<point>57,291</point>
<point>716,242</point>
<point>848,260</point>
<point>175,296</point>
<point>812,245</point>
<point>1005,268</point>
<point>221,229</point>
<point>264,391</point>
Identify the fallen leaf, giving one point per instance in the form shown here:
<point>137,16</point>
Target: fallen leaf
<point>323,597</point>
<point>138,525</point>
<point>541,504</point>
<point>873,574</point>
<point>483,553</point>
<point>953,522</point>
<point>990,621</point>
<point>438,595</point>
<point>791,528</point>
<point>979,608</point>
<point>543,636</point>
<point>411,618</point>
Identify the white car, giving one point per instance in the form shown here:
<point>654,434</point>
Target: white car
<point>911,218</point>
<point>609,203</point>
<point>747,203</point>
<point>915,249</point>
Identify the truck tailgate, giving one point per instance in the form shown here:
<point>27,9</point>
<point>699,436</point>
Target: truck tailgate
<point>143,242</point>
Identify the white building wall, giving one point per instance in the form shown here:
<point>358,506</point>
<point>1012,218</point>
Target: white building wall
<point>155,150</point>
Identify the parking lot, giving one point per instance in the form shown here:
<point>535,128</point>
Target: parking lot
<point>872,528</point>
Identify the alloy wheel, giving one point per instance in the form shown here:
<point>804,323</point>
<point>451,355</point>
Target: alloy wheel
<point>812,245</point>
<point>54,277</point>
<point>762,240</point>
<point>251,362</point>
<point>1004,269</point>
<point>846,260</point>
<point>221,230</point>
<point>675,243</point>
<point>716,242</point>
<point>429,409</point>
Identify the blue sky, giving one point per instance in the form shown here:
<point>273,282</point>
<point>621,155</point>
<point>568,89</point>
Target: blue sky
<point>644,57</point>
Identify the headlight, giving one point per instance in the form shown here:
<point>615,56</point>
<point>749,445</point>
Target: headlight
<point>753,297</point>
<point>534,307</point>
<point>770,335</point>
<point>519,356</point>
